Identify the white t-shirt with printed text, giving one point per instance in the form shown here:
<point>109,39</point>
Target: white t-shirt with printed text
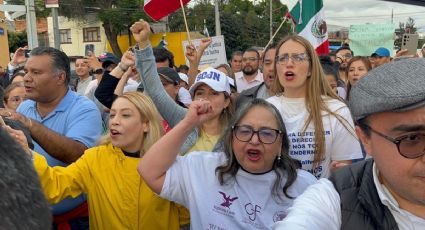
<point>246,204</point>
<point>341,144</point>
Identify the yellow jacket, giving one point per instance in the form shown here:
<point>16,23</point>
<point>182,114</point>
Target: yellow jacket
<point>118,198</point>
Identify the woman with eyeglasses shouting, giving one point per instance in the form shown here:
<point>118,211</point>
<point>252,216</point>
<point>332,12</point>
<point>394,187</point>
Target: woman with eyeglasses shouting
<point>318,123</point>
<point>248,186</point>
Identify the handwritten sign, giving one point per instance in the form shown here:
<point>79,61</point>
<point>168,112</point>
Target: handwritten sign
<point>365,39</point>
<point>215,53</point>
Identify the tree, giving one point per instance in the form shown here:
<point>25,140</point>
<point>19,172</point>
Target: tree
<point>16,40</point>
<point>243,23</point>
<point>116,15</point>
<point>404,28</point>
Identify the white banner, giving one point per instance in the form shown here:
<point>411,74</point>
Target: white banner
<point>214,55</point>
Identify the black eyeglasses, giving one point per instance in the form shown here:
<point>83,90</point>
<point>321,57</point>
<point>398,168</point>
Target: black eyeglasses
<point>265,135</point>
<point>410,146</point>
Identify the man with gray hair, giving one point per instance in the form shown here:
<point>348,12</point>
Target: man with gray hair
<point>388,190</point>
<point>62,123</point>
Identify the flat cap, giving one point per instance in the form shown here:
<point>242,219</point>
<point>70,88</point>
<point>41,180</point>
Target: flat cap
<point>396,86</point>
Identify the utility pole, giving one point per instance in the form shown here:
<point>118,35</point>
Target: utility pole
<point>217,19</point>
<point>392,16</point>
<point>271,19</point>
<point>31,24</point>
<point>56,35</point>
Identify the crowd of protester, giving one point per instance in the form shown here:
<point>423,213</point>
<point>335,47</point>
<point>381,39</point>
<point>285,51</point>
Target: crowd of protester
<point>280,138</point>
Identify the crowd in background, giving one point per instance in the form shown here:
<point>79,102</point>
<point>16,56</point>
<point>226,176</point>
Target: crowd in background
<point>276,138</point>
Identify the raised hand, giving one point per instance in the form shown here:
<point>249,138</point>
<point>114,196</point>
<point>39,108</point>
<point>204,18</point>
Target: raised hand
<point>141,32</point>
<point>128,59</point>
<point>19,56</point>
<point>92,61</point>
<point>191,54</point>
<point>199,112</point>
<point>205,42</point>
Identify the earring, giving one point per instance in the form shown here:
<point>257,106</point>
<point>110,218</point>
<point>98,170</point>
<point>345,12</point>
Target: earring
<point>279,161</point>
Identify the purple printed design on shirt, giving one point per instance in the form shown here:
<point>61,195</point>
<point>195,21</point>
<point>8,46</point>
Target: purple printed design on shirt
<point>227,200</point>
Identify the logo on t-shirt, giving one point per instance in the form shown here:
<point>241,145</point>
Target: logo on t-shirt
<point>227,200</point>
<point>252,211</point>
<point>224,207</point>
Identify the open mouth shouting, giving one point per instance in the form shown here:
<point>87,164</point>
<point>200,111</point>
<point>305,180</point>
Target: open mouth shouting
<point>254,154</point>
<point>289,75</point>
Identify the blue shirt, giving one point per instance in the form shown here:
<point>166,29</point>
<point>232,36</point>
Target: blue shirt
<point>75,117</point>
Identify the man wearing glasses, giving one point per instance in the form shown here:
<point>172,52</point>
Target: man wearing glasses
<point>387,191</point>
<point>343,56</point>
<point>250,75</point>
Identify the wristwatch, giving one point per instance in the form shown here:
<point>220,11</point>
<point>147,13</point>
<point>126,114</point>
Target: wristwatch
<point>98,71</point>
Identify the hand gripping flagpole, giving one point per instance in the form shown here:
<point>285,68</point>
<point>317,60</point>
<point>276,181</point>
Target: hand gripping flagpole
<point>185,22</point>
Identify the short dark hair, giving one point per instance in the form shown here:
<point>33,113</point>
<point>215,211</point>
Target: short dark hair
<point>16,74</point>
<point>161,55</point>
<point>60,60</point>
<point>185,67</point>
<point>236,53</point>
<point>363,124</point>
<point>270,47</point>
<point>23,202</point>
<point>344,47</point>
<point>253,50</point>
<point>327,67</point>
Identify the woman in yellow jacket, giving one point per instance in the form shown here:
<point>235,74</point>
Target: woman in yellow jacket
<point>118,198</point>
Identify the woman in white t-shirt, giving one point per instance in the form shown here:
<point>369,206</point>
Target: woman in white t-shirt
<point>248,186</point>
<point>319,124</point>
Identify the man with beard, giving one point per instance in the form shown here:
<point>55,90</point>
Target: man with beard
<point>343,56</point>
<point>250,75</point>
<point>263,90</point>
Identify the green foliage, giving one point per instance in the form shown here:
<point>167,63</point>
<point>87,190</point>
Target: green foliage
<point>243,24</point>
<point>16,40</point>
<point>116,15</point>
<point>40,10</point>
<point>407,27</point>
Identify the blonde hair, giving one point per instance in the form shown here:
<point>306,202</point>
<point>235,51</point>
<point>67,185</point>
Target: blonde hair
<point>317,87</point>
<point>148,113</point>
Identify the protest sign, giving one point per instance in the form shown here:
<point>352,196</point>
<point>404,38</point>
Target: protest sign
<point>365,39</point>
<point>214,55</point>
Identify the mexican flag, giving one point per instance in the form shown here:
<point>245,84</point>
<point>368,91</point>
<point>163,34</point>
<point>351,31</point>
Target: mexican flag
<point>310,22</point>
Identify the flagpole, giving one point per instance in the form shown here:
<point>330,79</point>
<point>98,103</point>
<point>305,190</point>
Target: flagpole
<point>274,35</point>
<point>185,22</point>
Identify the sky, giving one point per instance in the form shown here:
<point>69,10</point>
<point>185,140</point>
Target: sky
<point>348,12</point>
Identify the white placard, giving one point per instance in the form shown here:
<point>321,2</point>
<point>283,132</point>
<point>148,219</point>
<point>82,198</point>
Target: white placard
<point>215,53</point>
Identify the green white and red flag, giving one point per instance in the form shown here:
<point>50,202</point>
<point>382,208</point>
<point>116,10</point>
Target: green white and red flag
<point>310,23</point>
